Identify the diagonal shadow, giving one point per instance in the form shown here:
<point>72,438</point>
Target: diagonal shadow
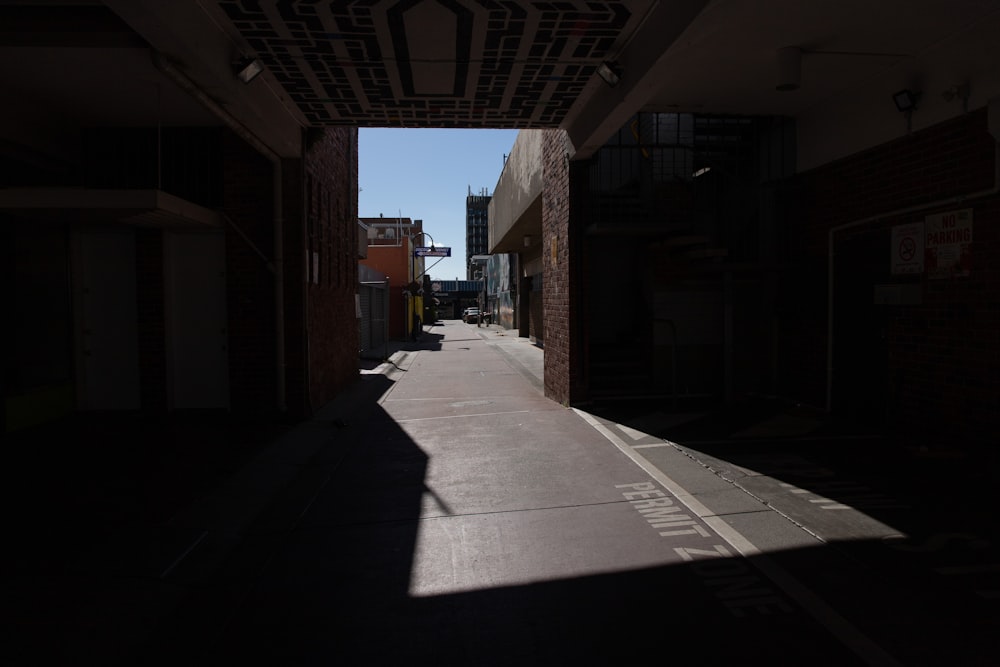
<point>325,574</point>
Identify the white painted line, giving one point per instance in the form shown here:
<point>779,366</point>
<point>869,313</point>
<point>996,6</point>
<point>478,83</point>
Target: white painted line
<point>824,438</point>
<point>654,444</point>
<point>452,399</point>
<point>828,504</point>
<point>177,561</point>
<point>631,432</point>
<point>480,414</point>
<point>675,489</point>
<point>870,652</point>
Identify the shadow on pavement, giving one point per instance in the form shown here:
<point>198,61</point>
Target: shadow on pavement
<point>324,574</point>
<point>428,340</point>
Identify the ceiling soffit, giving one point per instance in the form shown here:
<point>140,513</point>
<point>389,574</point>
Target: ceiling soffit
<point>434,63</point>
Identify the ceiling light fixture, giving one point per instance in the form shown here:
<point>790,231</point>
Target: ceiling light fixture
<point>610,72</point>
<point>247,69</point>
<point>789,68</point>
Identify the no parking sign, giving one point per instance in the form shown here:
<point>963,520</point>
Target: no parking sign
<point>907,249</point>
<point>949,244</point>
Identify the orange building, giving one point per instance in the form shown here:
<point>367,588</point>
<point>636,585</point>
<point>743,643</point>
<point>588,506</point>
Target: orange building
<point>391,243</point>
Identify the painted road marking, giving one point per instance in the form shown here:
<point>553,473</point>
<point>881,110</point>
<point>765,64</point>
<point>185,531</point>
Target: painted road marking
<point>828,504</point>
<point>734,582</point>
<point>936,542</point>
<point>836,624</point>
<point>481,414</point>
<point>982,568</point>
<point>184,554</point>
<point>660,511</point>
<point>739,588</point>
<point>857,495</point>
<point>856,500</point>
<point>653,444</point>
<point>631,432</point>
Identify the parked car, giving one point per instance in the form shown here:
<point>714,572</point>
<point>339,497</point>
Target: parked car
<point>470,315</point>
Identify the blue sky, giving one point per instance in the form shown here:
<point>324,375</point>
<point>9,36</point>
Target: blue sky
<point>425,175</point>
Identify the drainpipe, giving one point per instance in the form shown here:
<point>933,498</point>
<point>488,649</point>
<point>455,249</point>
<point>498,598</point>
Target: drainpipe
<point>279,289</point>
<point>949,201</point>
<point>190,87</point>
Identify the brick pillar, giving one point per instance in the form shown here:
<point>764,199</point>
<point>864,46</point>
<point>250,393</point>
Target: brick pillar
<point>557,260</point>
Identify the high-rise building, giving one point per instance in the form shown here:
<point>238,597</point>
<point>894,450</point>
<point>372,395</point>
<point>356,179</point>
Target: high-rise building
<point>477,230</point>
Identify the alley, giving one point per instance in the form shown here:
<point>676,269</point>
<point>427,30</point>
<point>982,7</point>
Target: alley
<point>444,512</point>
<point>459,517</point>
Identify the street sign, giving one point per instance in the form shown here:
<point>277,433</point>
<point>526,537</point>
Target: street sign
<point>438,251</point>
<point>948,247</point>
<point>907,249</point>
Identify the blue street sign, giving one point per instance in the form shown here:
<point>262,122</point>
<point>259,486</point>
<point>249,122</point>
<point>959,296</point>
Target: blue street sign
<point>427,252</point>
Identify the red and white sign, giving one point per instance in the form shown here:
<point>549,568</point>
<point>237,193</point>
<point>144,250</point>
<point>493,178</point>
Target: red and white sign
<point>907,251</point>
<point>948,244</point>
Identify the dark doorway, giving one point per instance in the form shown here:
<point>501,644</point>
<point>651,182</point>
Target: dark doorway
<point>860,347</point>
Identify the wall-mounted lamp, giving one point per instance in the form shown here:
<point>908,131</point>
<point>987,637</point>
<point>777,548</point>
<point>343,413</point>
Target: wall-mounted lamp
<point>610,72</point>
<point>247,69</point>
<point>527,240</point>
<point>906,100</point>
<point>425,234</point>
<point>789,60</point>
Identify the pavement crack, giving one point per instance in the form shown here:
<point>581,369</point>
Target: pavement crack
<point>763,501</point>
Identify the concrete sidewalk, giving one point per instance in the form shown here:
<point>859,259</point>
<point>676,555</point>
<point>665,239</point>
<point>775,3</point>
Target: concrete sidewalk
<point>444,512</point>
<point>450,514</point>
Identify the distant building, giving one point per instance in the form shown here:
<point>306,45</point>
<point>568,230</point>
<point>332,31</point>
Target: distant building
<point>391,244</point>
<point>476,230</point>
<point>388,231</point>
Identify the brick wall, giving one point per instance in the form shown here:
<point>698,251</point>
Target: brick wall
<point>331,237</point>
<point>319,211</point>
<point>943,366</point>
<point>944,355</point>
<point>557,260</point>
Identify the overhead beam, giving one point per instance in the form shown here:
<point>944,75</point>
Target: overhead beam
<point>645,57</point>
<point>199,45</point>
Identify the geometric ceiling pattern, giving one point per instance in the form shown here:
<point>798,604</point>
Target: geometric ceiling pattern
<point>433,63</point>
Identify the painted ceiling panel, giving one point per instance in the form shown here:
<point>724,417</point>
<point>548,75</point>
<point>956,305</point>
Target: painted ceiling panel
<point>433,63</point>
